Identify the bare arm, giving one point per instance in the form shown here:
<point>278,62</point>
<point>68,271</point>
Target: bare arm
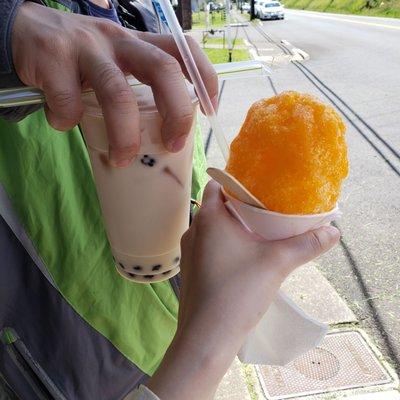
<point>230,278</point>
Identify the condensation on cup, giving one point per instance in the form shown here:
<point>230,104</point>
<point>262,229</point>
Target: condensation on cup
<point>145,206</point>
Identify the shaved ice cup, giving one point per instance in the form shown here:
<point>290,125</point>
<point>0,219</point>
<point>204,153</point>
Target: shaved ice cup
<point>275,226</point>
<point>285,332</point>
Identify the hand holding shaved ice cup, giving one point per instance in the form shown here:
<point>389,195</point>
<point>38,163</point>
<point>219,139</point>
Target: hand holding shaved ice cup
<point>283,179</point>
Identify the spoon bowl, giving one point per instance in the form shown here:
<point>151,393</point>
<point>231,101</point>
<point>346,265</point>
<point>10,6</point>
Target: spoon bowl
<point>233,186</point>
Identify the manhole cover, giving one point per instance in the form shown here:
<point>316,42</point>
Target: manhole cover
<point>318,364</point>
<point>343,361</point>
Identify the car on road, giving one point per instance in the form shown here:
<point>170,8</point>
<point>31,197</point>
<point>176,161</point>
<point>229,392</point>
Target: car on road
<point>215,6</point>
<point>246,7</point>
<point>271,10</point>
<point>257,5</point>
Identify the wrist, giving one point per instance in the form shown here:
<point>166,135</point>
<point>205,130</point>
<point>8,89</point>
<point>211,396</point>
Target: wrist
<point>193,365</point>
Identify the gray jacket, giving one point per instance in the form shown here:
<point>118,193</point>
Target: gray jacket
<point>47,350</point>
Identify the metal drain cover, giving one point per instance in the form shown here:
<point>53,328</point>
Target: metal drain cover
<point>344,360</point>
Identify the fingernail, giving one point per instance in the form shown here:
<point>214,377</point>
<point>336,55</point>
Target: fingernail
<point>331,231</point>
<point>177,144</point>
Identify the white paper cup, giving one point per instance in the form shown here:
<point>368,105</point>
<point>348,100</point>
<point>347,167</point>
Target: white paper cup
<point>275,226</point>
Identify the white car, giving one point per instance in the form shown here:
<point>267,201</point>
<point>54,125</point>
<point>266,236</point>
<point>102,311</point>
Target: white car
<point>257,6</point>
<point>246,7</point>
<point>271,10</point>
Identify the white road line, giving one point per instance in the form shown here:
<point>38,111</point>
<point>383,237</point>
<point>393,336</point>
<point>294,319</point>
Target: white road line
<point>350,20</point>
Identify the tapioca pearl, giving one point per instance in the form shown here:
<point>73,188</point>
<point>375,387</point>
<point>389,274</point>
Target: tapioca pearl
<point>121,265</point>
<point>176,260</point>
<point>156,267</point>
<point>147,160</point>
<point>137,268</point>
<point>131,275</point>
<point>149,276</point>
<point>167,272</point>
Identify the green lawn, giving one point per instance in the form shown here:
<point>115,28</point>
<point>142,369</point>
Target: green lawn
<point>388,8</point>
<point>217,19</point>
<point>218,56</point>
<point>244,17</point>
<point>219,40</point>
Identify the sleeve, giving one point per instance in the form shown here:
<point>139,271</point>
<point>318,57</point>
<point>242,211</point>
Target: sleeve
<point>8,76</point>
<point>142,393</point>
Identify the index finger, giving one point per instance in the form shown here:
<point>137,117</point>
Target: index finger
<point>158,69</point>
<point>119,107</point>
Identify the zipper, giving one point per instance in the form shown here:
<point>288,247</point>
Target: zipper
<point>5,389</point>
<point>30,369</point>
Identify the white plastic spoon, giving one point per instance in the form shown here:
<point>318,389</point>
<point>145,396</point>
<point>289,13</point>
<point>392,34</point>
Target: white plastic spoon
<point>233,186</point>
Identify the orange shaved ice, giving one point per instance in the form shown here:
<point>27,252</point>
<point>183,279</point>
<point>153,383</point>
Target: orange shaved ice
<point>291,154</point>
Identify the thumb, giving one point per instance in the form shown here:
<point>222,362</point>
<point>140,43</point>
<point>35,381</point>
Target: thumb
<point>301,249</point>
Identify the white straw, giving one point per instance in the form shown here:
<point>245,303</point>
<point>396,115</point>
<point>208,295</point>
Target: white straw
<point>168,15</point>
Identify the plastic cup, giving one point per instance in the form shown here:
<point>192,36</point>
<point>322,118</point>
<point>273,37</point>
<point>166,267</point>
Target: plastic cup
<point>145,206</point>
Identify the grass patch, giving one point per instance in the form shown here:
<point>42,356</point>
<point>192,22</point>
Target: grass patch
<point>245,17</point>
<point>250,379</point>
<point>220,40</point>
<point>377,8</point>
<point>217,19</point>
<point>218,56</point>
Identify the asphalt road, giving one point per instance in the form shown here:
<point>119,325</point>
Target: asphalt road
<point>358,59</point>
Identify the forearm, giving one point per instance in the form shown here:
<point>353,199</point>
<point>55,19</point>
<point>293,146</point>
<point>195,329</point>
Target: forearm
<point>194,364</point>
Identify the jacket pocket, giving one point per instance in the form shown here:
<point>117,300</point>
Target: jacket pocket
<point>33,374</point>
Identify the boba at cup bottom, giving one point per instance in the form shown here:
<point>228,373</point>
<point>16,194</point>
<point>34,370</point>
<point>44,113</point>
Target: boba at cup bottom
<point>147,278</point>
<point>149,265</point>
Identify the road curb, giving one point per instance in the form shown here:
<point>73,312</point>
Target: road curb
<point>281,59</point>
